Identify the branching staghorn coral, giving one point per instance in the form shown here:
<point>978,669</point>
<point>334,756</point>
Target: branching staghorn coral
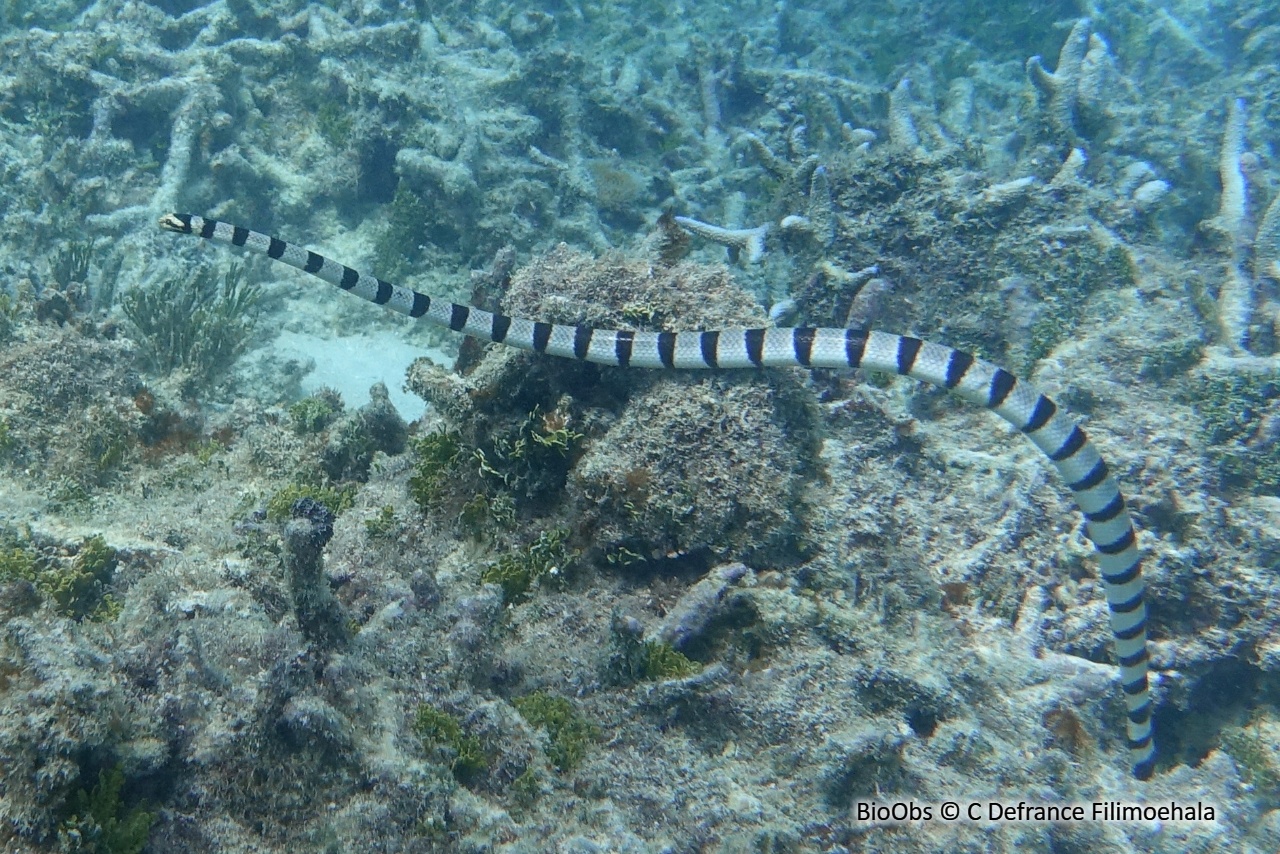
<point>776,166</point>
<point>859,140</point>
<point>188,95</point>
<point>1251,252</point>
<point>902,126</point>
<point>1061,87</point>
<point>747,243</point>
<point>821,210</point>
<point>1002,194</point>
<point>819,218</point>
<point>1235,297</point>
<point>1266,245</point>
<point>1234,200</point>
<point>1068,175</point>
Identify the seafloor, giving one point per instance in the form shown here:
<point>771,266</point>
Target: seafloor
<point>268,584</point>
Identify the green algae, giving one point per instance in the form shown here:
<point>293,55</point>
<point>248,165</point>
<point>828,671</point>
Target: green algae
<point>547,558</point>
<point>568,734</point>
<point>437,728</point>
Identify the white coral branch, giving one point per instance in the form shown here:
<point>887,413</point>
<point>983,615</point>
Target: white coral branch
<point>747,241</point>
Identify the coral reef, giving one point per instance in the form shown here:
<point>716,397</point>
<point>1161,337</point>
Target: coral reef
<point>746,442</point>
<point>788,592</point>
<point>354,441</point>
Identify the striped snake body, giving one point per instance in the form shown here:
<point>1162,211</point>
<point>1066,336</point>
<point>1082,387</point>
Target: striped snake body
<point>1055,433</point>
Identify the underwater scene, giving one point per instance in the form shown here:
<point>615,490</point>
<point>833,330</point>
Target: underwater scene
<point>663,511</point>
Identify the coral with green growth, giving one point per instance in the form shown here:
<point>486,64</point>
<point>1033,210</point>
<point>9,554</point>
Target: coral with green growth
<point>1171,359</point>
<point>8,316</point>
<point>78,590</point>
<point>1060,282</point>
<point>384,524</point>
<point>525,789</point>
<point>358,437</point>
<point>1258,760</point>
<point>335,498</point>
<point>1240,418</point>
<point>512,464</point>
<point>482,514</point>
<point>107,442</point>
<point>206,451</point>
<point>397,247</point>
<point>662,661</point>
<point>315,412</point>
<point>435,456</point>
<point>321,618</point>
<point>334,122</point>
<point>635,660</point>
<point>75,586</point>
<point>99,822</point>
<point>71,262</point>
<point>200,324</point>
<point>516,572</point>
<point>568,734</point>
<point>17,564</point>
<point>534,459</point>
<point>544,434</point>
<point>439,729</point>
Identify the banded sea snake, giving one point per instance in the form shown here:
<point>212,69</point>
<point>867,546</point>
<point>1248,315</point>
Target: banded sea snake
<point>1107,520</point>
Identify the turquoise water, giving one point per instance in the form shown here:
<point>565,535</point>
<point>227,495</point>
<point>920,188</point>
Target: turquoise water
<point>280,570</point>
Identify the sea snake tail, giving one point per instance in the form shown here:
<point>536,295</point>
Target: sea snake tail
<point>1107,522</point>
